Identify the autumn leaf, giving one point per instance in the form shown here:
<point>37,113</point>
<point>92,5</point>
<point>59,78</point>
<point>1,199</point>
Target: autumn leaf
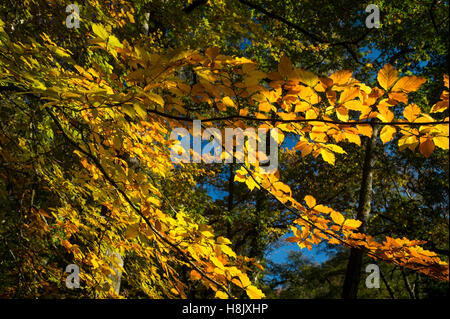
<point>352,223</point>
<point>254,293</point>
<point>387,77</point>
<point>411,112</point>
<point>221,295</point>
<point>426,147</point>
<point>441,141</point>
<point>285,66</point>
<point>337,217</point>
<point>341,77</point>
<point>228,102</point>
<point>365,130</point>
<point>100,31</point>
<point>408,84</point>
<point>310,201</point>
<point>306,77</point>
<point>195,275</point>
<point>387,133</point>
<point>327,156</point>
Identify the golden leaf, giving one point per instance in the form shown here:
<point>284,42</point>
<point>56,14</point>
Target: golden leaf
<point>387,133</point>
<point>387,76</point>
<point>337,217</point>
<point>441,141</point>
<point>411,112</point>
<point>327,156</point>
<point>341,77</point>
<point>306,77</point>
<point>352,223</point>
<point>228,102</point>
<point>221,295</point>
<point>365,130</point>
<point>254,293</point>
<point>310,201</point>
<point>408,84</point>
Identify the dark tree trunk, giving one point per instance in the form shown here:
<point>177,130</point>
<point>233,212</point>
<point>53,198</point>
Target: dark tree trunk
<point>353,272</point>
<point>230,203</point>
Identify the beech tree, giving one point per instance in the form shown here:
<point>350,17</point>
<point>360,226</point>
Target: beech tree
<point>87,175</point>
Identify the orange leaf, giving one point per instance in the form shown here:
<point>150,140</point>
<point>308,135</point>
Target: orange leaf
<point>337,217</point>
<point>427,147</point>
<point>365,130</point>
<point>310,201</point>
<point>195,275</point>
<point>285,66</point>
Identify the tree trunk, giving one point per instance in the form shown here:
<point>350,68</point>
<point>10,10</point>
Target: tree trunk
<point>116,266</point>
<point>353,273</point>
<point>230,204</point>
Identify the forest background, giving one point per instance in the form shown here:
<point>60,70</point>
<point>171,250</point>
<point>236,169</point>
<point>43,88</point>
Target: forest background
<point>86,177</point>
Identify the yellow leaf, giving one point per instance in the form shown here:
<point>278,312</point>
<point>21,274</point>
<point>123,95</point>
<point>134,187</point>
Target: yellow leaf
<point>222,240</point>
<point>239,178</point>
<point>228,102</point>
<point>264,106</point>
<point>311,114</point>
<point>228,251</point>
<point>304,147</point>
<point>132,231</point>
<point>94,263</point>
<point>354,105</point>
<point>337,217</point>
<point>243,112</point>
<point>342,114</point>
<point>221,295</point>
<point>155,98</point>
<point>254,293</point>
<point>387,76</point>
<point>251,184</point>
<point>310,201</point>
<point>336,148</point>
<point>399,97</point>
<point>309,95</point>
<point>411,112</point>
<point>327,156</point>
<point>365,130</point>
<point>352,223</point>
<point>441,141</point>
<point>244,280</point>
<point>349,94</point>
<point>100,31</point>
<point>140,111</point>
<point>410,142</point>
<point>306,77</point>
<point>113,42</point>
<point>385,115</point>
<point>408,84</point>
<point>341,77</point>
<point>387,133</point>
